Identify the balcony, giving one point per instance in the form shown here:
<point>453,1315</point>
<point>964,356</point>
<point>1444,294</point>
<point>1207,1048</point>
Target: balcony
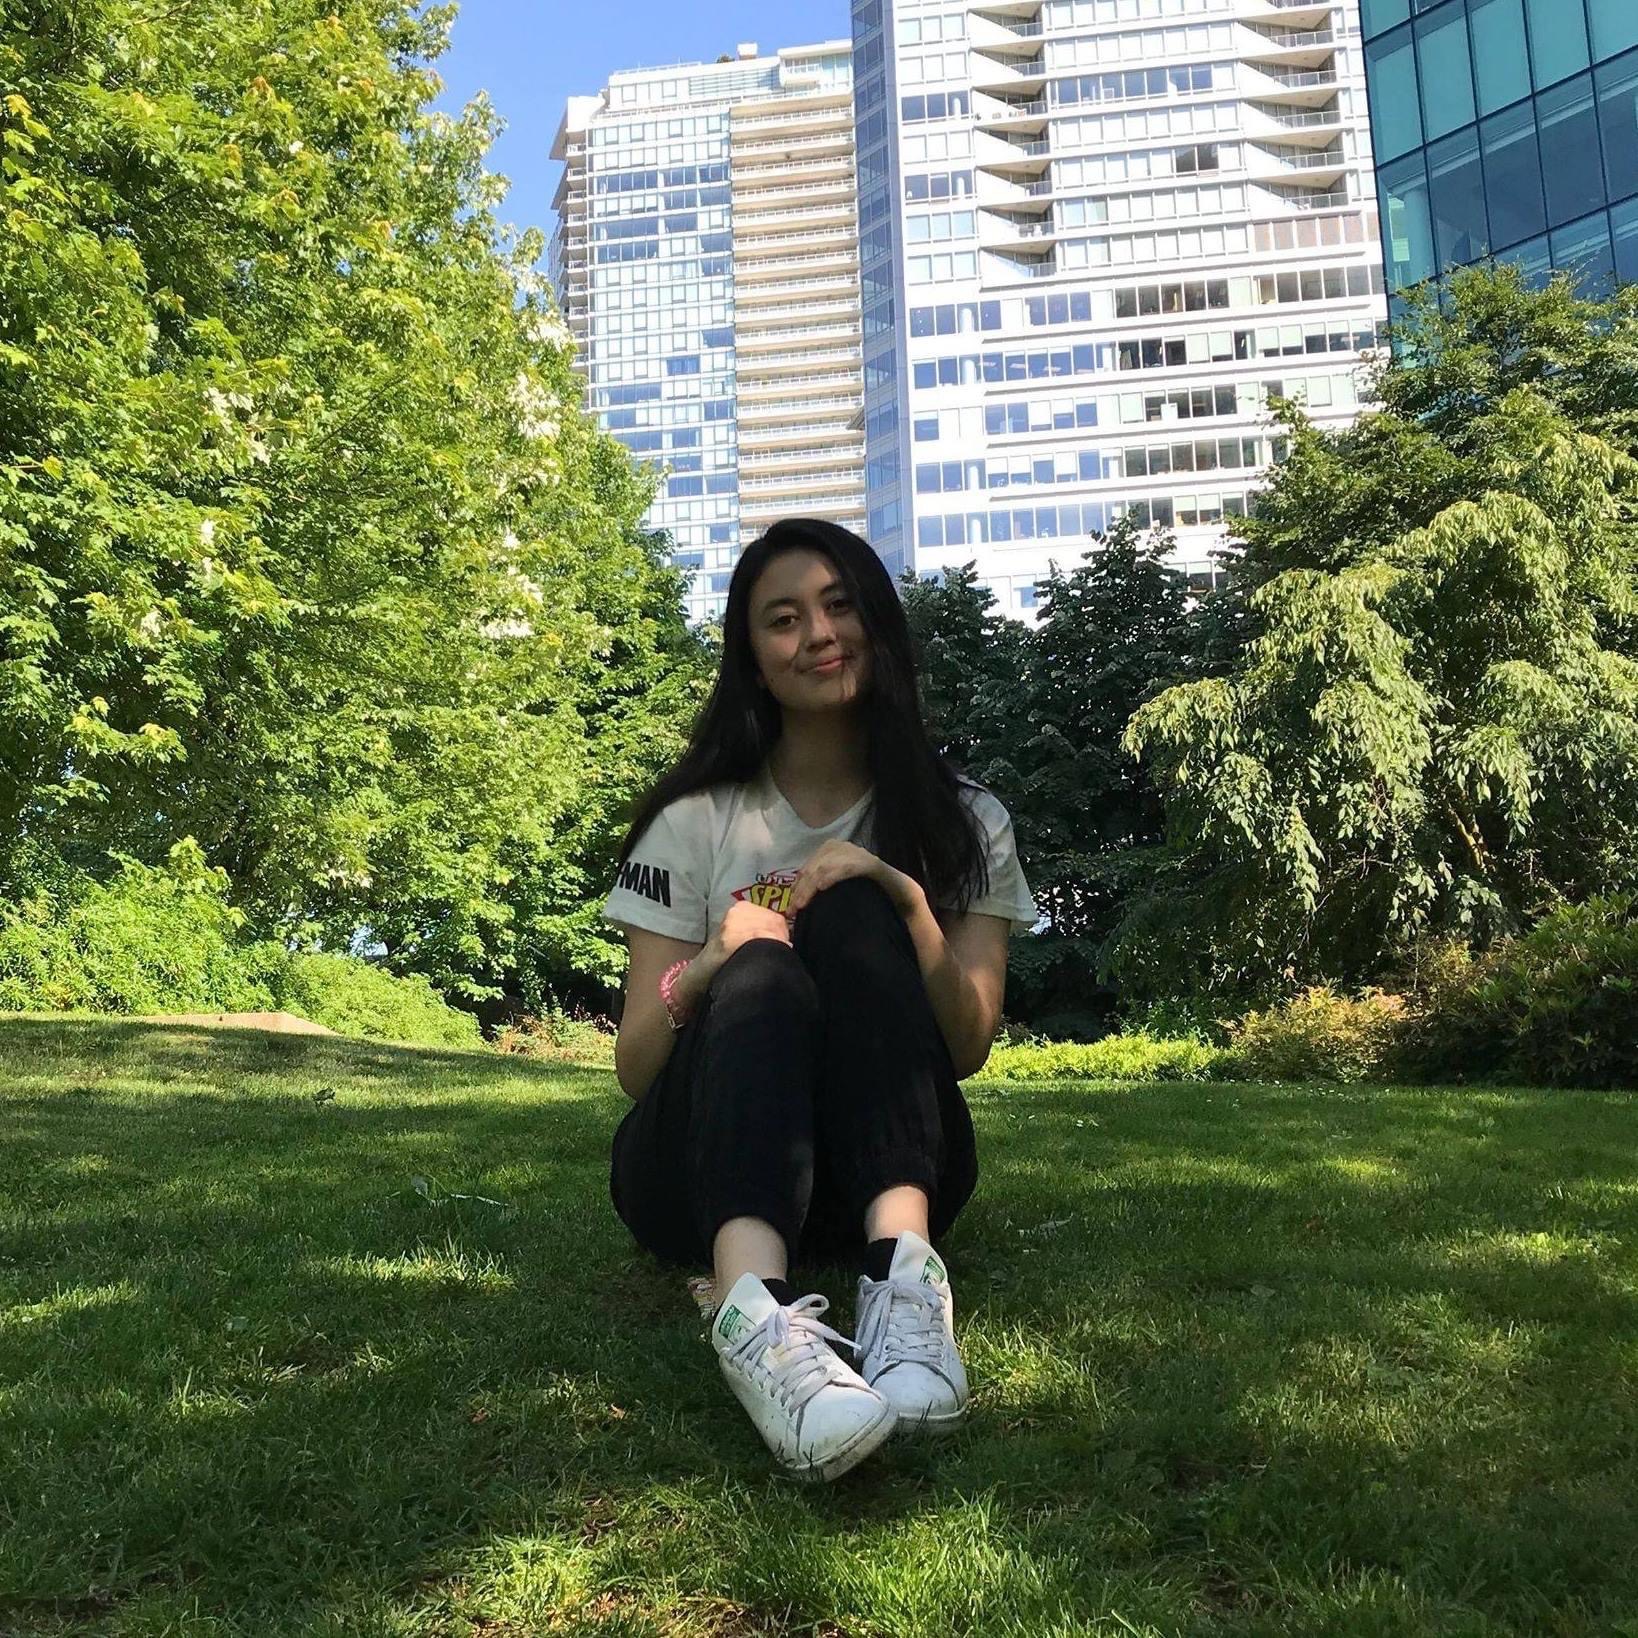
<point>1008,194</point>
<point>1329,199</point>
<point>997,231</point>
<point>1291,13</point>
<point>769,418</point>
<point>812,311</point>
<point>842,241</point>
<point>799,361</point>
<point>1297,49</point>
<point>817,214</point>
<point>1000,37</point>
<point>745,300</point>
<point>1008,74</point>
<point>800,432</point>
<point>1299,88</point>
<point>834,381</point>
<point>1312,168</point>
<point>813,335</point>
<point>1026,116</point>
<point>1315,127</point>
<point>1024,158</point>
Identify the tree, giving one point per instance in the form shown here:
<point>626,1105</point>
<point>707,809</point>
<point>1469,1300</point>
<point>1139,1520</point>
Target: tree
<point>306,549</point>
<point>1038,712</point>
<point>1435,724</point>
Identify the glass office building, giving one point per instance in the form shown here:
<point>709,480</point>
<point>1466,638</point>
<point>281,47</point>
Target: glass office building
<point>1506,128</point>
<point>1095,237</point>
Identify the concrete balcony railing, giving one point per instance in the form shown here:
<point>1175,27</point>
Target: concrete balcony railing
<point>1006,73</point>
<point>835,383</point>
<point>816,311</point>
<point>778,290</point>
<point>773,244</point>
<point>766,437</point>
<point>799,361</point>
<point>1298,88</point>
<point>826,335</point>
<point>770,415</point>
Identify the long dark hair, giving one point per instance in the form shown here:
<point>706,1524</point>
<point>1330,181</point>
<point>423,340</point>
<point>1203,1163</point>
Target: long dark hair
<point>920,824</point>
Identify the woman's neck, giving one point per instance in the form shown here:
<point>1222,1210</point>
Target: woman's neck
<point>812,758</point>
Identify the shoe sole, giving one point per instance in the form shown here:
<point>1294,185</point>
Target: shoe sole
<point>928,1423</point>
<point>868,1439</point>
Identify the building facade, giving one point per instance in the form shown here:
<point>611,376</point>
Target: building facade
<point>1096,236</point>
<point>1506,128</point>
<point>706,262</point>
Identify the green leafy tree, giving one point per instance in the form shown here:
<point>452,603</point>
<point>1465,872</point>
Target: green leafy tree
<point>306,550</point>
<point>1434,726</point>
<point>1039,713</point>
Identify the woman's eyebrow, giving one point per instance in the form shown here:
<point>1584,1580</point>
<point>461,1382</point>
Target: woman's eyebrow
<point>775,602</point>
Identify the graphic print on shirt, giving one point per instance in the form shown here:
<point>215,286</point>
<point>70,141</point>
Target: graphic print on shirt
<point>652,881</point>
<point>771,889</point>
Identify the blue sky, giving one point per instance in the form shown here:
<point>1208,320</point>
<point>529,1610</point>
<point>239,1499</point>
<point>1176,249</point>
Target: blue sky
<point>529,55</point>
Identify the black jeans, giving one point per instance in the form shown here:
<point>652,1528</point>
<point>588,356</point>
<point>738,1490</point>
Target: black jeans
<point>812,1076</point>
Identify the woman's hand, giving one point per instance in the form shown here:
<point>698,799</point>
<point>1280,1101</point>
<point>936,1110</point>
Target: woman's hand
<point>835,860</point>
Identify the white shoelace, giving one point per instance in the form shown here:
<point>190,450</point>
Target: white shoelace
<point>918,1337</point>
<point>810,1362</point>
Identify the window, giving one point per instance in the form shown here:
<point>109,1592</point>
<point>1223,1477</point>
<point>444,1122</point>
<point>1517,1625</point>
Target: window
<point>1499,64</point>
<point>1456,192</point>
<point>1512,176</point>
<point>1617,84</point>
<point>1569,150</point>
<point>1614,26</point>
<point>1396,121</point>
<point>1558,39</point>
<point>1583,248</point>
<point>1624,233</point>
<point>1377,15</point>
<point>1409,236</point>
<point>1446,73</point>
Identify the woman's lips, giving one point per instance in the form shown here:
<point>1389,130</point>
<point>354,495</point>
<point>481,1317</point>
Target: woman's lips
<point>830,667</point>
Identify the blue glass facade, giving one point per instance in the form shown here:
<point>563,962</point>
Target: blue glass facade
<point>1505,128</point>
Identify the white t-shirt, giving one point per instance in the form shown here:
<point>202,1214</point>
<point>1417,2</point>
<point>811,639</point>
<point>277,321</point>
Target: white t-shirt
<point>745,841</point>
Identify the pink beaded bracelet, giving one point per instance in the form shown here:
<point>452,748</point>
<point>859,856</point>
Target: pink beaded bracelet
<point>676,1015</point>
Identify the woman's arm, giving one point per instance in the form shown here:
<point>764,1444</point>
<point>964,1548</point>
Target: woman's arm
<point>963,961</point>
<point>646,1037</point>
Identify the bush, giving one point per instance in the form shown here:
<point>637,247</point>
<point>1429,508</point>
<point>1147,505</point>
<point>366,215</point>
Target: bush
<point>1557,1007</point>
<point>1320,1035</point>
<point>354,998</point>
<point>1135,1056</point>
<point>144,941</point>
<point>558,1036</point>
<point>153,941</point>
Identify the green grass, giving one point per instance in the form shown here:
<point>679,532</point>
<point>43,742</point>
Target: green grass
<point>1246,1360</point>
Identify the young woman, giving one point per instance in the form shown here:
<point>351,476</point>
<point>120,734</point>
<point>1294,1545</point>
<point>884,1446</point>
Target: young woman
<point>817,907</point>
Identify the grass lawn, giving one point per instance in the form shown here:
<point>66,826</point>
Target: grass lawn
<point>1245,1360</point>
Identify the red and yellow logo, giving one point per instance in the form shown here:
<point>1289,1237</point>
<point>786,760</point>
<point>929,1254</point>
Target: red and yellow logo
<point>771,889</point>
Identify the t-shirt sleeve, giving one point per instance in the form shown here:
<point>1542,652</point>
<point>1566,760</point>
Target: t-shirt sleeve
<point>1009,893</point>
<point>664,884</point>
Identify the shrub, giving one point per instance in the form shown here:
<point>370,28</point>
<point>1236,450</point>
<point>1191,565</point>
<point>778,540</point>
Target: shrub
<point>1135,1056</point>
<point>1320,1035</point>
<point>146,940</point>
<point>1558,1006</point>
<point>354,998</point>
<point>569,1037</point>
<point>153,940</point>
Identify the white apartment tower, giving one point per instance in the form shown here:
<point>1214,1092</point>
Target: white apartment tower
<point>1095,237</point>
<point>706,260</point>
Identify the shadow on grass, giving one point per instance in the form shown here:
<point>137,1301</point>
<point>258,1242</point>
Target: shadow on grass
<point>1236,1349</point>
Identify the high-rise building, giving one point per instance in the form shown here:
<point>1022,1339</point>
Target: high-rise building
<point>706,260</point>
<point>1506,128</point>
<point>1096,236</point>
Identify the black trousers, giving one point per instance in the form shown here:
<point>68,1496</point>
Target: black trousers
<point>812,1076</point>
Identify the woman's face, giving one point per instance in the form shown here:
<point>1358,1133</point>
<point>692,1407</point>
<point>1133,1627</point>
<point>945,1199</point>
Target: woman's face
<point>802,617</point>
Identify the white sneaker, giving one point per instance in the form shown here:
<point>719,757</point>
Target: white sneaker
<point>816,1414</point>
<point>906,1347</point>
